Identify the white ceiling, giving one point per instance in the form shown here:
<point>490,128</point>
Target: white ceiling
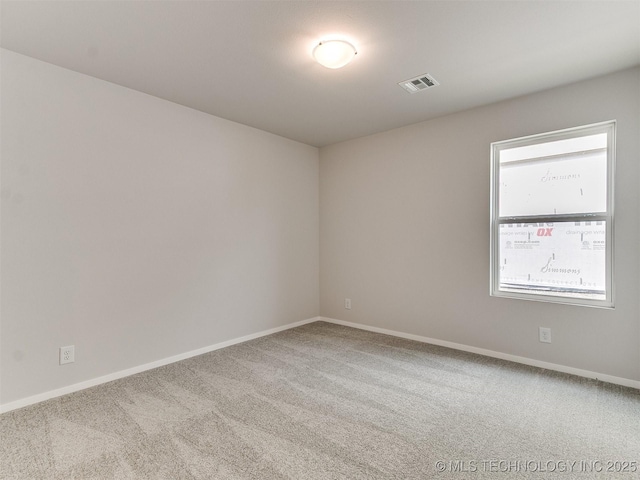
<point>250,61</point>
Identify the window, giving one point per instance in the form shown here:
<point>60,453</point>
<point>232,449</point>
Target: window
<point>552,216</point>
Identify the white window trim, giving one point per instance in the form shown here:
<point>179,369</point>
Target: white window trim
<point>604,127</point>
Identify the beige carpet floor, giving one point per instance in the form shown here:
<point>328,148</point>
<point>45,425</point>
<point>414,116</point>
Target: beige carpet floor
<point>329,402</point>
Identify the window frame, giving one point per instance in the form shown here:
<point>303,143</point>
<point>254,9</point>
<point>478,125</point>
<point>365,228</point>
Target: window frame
<point>608,127</point>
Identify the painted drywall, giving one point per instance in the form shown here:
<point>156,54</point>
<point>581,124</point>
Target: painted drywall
<point>137,229</point>
<point>404,231</point>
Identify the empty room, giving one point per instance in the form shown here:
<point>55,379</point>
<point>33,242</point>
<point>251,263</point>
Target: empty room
<point>319,240</point>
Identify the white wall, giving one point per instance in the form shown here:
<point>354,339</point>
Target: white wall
<point>404,224</point>
<point>137,229</point>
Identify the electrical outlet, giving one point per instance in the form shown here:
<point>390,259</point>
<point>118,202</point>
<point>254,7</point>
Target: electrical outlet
<point>347,303</point>
<point>545,335</point>
<point>67,354</point>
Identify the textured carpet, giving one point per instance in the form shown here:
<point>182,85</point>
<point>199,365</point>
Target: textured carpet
<point>329,402</point>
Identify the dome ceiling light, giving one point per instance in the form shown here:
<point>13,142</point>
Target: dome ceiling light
<point>334,53</point>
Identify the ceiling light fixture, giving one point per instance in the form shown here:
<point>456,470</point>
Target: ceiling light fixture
<point>334,53</point>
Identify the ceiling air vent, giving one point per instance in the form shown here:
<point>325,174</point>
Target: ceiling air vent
<point>419,83</point>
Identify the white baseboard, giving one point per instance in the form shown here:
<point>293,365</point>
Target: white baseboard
<point>41,397</point>
<point>490,353</point>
